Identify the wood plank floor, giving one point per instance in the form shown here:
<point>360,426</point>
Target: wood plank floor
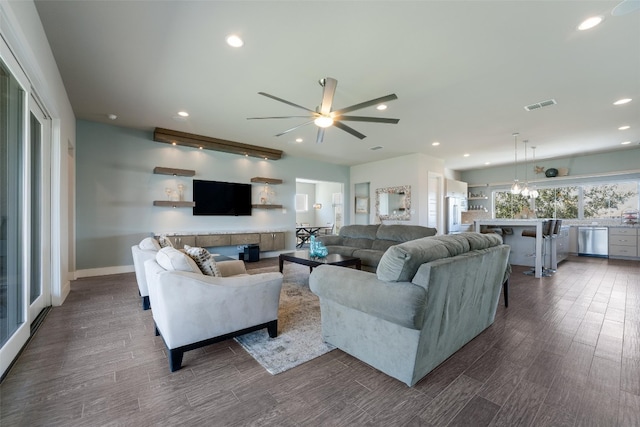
<point>565,353</point>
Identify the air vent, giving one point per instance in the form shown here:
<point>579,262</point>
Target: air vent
<point>377,147</point>
<point>540,104</point>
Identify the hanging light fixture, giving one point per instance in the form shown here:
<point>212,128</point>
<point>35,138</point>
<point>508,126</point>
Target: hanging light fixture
<point>515,188</point>
<point>533,191</point>
<point>525,189</point>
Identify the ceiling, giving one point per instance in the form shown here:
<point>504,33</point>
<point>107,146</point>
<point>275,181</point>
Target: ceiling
<point>462,70</point>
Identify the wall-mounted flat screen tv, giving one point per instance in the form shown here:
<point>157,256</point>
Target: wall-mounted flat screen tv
<point>221,198</point>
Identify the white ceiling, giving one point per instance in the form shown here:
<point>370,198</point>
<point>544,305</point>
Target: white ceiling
<point>463,72</point>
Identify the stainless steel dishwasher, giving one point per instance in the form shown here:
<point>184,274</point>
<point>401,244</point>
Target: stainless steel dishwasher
<point>593,241</point>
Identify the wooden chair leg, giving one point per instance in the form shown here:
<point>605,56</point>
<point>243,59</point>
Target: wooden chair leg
<point>272,328</point>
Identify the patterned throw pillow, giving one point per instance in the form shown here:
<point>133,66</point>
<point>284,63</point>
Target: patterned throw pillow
<point>204,260</point>
<point>165,242</point>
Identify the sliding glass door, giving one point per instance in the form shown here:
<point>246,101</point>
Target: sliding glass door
<point>24,210</point>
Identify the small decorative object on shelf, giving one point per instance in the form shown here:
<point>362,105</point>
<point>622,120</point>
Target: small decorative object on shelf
<point>630,217</point>
<point>180,192</point>
<point>168,192</point>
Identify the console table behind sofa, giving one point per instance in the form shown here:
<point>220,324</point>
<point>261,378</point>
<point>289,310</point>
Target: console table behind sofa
<point>268,240</point>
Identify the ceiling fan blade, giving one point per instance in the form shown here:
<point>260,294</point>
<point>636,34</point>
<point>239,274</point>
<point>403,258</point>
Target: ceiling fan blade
<point>366,104</point>
<point>277,117</point>
<point>320,136</point>
<point>285,101</point>
<point>294,128</point>
<point>329,90</point>
<point>368,119</point>
<point>350,130</point>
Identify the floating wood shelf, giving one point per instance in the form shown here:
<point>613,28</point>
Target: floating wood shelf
<point>173,204</point>
<point>175,137</point>
<point>263,180</point>
<point>172,171</point>
<point>266,206</point>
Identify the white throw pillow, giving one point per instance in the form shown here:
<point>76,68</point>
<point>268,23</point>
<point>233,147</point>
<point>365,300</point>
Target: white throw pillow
<point>172,259</point>
<point>205,261</point>
<point>149,244</point>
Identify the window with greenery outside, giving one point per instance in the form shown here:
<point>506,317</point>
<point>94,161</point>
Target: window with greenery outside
<point>572,202</point>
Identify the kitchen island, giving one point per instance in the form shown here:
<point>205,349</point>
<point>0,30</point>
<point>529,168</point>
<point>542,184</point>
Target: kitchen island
<point>520,245</point>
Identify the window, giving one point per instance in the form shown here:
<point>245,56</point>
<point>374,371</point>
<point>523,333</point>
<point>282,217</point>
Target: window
<point>587,201</point>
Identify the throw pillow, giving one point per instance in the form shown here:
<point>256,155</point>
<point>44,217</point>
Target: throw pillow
<point>165,242</point>
<point>172,259</point>
<point>149,244</point>
<point>204,260</point>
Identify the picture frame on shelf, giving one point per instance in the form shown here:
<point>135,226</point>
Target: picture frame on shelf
<point>362,205</point>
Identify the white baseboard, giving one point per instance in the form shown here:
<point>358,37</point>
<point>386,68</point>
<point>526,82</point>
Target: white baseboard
<point>104,271</point>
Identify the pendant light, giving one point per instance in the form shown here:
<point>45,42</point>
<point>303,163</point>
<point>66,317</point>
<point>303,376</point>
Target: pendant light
<point>525,189</point>
<point>515,188</point>
<point>533,191</point>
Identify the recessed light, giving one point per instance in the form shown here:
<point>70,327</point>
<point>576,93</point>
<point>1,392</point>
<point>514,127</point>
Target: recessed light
<point>299,139</point>
<point>466,155</point>
<point>590,23</point>
<point>622,101</point>
<point>625,127</point>
<point>435,143</point>
<point>487,163</point>
<point>183,114</point>
<point>234,41</point>
<point>381,107</point>
<point>112,116</point>
<point>625,143</point>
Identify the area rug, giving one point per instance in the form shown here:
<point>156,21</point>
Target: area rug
<point>299,330</point>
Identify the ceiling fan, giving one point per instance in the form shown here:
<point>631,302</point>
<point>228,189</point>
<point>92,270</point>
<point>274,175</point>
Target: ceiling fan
<point>324,116</point>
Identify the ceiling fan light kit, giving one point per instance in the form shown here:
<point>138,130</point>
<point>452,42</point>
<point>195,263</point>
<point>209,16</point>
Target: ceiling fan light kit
<point>325,117</point>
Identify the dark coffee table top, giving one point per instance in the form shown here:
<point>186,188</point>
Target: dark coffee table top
<point>302,257</point>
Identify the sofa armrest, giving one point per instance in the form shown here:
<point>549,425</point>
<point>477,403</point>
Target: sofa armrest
<point>231,268</point>
<point>402,303</point>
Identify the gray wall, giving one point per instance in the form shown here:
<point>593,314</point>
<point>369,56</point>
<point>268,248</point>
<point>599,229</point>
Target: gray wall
<point>580,167</point>
<point>116,188</point>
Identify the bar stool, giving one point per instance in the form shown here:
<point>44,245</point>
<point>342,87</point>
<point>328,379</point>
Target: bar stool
<point>548,227</point>
<point>554,235</point>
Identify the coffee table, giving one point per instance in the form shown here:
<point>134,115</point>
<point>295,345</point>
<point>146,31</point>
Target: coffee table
<point>302,257</point>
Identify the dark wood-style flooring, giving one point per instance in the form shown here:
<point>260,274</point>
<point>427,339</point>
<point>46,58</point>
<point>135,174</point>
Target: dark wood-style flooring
<point>565,353</point>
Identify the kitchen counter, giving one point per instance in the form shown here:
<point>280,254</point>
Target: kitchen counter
<point>520,246</point>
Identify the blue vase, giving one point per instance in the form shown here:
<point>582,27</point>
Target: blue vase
<point>312,246</point>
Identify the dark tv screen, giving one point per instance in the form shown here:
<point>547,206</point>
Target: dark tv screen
<point>221,198</point>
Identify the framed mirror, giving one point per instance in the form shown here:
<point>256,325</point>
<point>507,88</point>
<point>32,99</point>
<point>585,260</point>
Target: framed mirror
<point>394,203</point>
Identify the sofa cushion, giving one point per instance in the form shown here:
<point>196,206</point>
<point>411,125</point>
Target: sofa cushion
<point>359,243</point>
<point>172,259</point>
<point>368,256</point>
<point>403,233</point>
<point>149,244</point>
<point>360,231</point>
<point>401,262</point>
<point>205,261</point>
<point>341,250</point>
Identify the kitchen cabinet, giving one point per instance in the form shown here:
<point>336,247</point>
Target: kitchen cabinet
<point>623,243</point>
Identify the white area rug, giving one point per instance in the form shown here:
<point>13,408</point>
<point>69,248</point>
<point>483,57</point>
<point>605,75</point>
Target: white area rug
<point>299,330</point>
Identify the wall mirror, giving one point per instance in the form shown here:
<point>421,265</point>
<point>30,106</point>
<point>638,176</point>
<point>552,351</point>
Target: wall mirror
<point>394,203</point>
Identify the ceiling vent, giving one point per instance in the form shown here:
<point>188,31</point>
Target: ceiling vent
<point>540,104</point>
<point>377,147</point>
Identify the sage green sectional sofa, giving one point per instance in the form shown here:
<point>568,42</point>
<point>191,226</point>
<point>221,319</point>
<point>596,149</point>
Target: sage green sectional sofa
<point>427,299</point>
<point>369,242</point>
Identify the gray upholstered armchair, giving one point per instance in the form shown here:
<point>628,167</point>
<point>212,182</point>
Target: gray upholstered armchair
<point>191,310</point>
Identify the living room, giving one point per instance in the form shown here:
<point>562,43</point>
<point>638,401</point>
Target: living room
<point>103,188</point>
